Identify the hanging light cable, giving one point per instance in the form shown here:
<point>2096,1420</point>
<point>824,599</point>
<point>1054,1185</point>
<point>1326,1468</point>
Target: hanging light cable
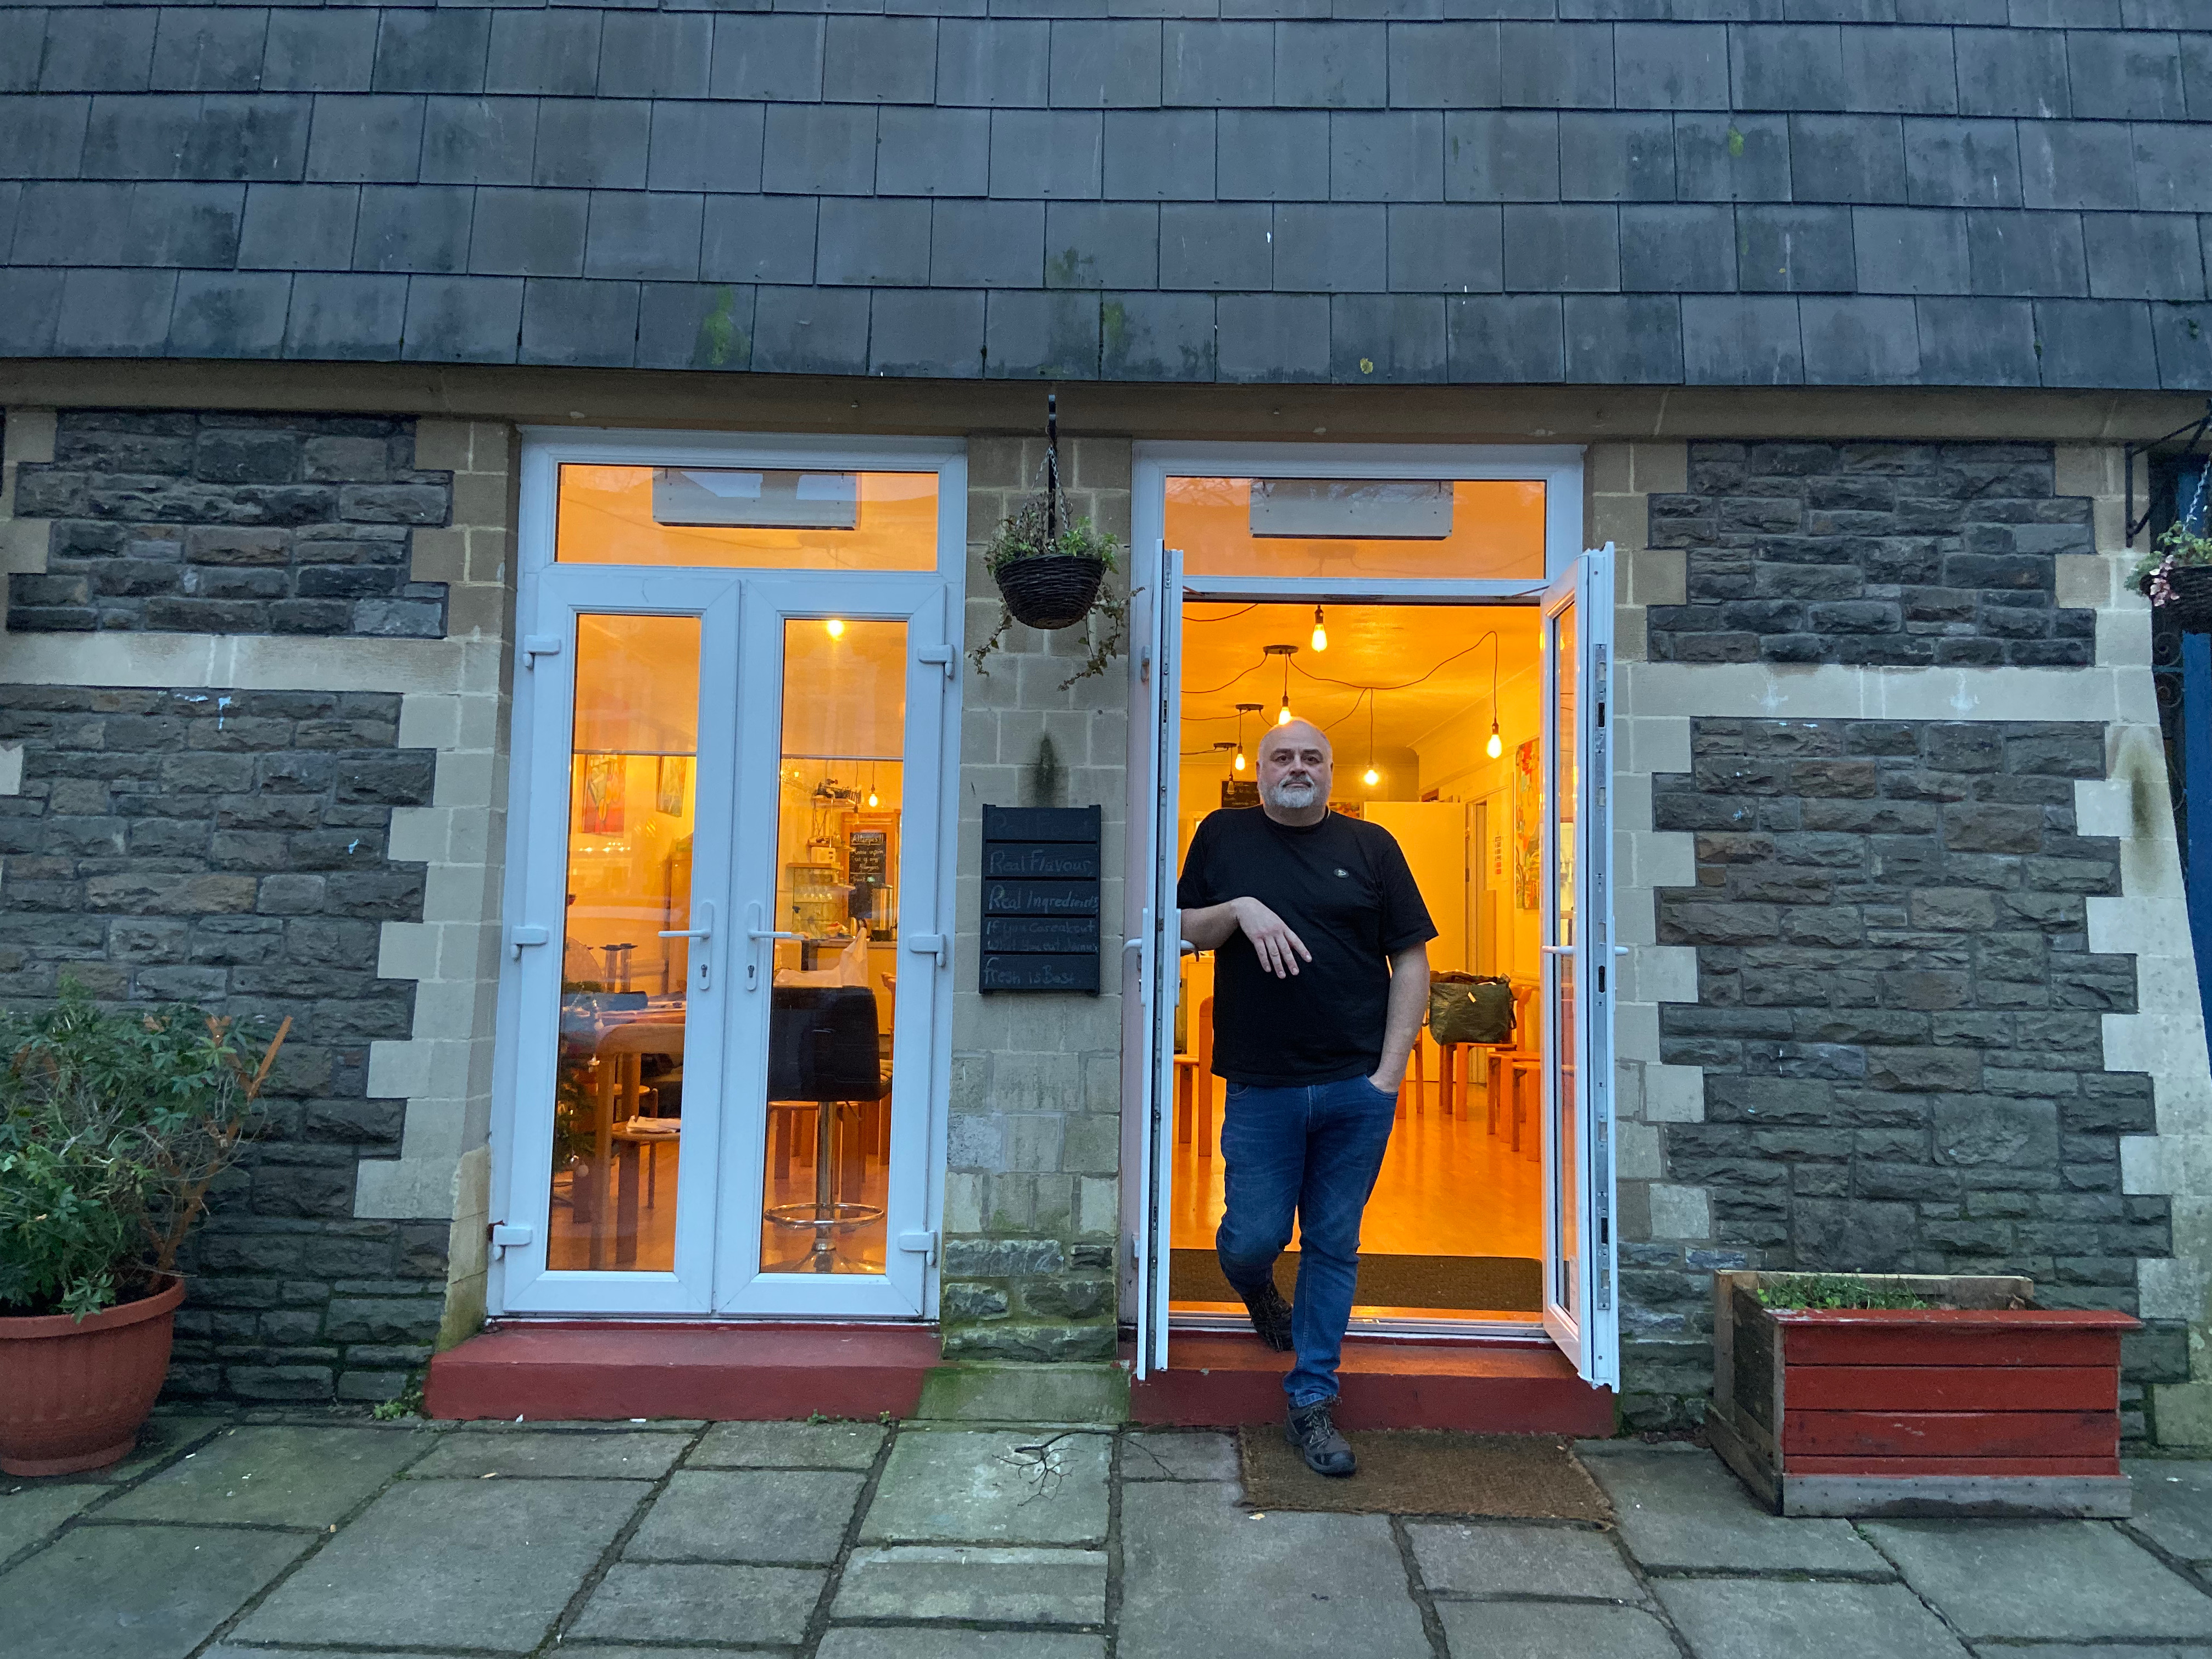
<point>872,800</point>
<point>1242,710</point>
<point>1371,777</point>
<point>1495,746</point>
<point>1286,652</point>
<point>1321,631</point>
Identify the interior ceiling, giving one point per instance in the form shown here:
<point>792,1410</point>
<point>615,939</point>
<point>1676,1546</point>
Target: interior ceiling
<point>1386,645</point>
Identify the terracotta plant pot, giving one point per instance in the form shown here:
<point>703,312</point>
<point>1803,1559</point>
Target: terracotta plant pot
<point>1052,591</point>
<point>73,1393</point>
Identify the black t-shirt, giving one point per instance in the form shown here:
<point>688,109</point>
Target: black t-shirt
<point>1342,886</point>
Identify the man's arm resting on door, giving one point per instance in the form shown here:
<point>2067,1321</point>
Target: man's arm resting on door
<point>1401,1022</point>
<point>1279,950</point>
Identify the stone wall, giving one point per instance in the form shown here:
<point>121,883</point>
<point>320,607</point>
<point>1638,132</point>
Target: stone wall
<point>220,522</point>
<point>1882,553</point>
<point>230,848</point>
<point>1033,1151</point>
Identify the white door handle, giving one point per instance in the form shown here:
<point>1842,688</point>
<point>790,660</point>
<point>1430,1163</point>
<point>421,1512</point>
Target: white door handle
<point>703,913</point>
<point>759,936</point>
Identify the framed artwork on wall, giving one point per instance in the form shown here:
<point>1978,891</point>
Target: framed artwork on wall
<point>1528,827</point>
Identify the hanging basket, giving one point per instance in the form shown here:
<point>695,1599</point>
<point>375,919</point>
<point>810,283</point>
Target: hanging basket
<point>1050,591</point>
<point>2191,607</point>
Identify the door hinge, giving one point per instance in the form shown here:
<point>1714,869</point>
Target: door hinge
<point>941,656</point>
<point>535,646</point>
<point>504,1238</point>
<point>517,936</point>
<point>921,1245</point>
<point>928,945</point>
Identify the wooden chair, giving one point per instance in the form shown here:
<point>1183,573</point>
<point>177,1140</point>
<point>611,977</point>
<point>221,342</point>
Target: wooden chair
<point>1194,1087</point>
<point>1509,1066</point>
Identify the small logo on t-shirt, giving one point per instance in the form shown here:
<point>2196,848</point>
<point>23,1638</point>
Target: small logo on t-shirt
<point>1344,872</point>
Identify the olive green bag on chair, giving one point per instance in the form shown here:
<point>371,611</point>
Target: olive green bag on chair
<point>1470,1008</point>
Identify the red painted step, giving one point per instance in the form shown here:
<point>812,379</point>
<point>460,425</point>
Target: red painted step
<point>608,1372</point>
<point>1219,1381</point>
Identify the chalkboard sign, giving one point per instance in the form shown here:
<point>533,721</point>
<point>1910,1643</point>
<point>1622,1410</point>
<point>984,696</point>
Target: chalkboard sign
<point>866,855</point>
<point>1239,792</point>
<point>1041,871</point>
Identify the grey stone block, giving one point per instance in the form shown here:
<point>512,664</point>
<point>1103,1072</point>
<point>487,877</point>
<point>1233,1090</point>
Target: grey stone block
<point>1859,342</point>
<point>72,224</point>
<point>976,1487</point>
<point>2173,168</point>
<point>1741,158</point>
<point>2144,256</point>
<point>229,315</point>
<point>97,50</point>
<point>30,301</point>
<point>2095,342</point>
<point>137,1592</point>
<point>478,140</point>
<point>1904,71</point>
<point>987,244</point>
<point>1670,66</point>
<point>770,56</point>
<point>1555,66</point>
<point>1267,155</point>
<point>45,137</point>
<point>1397,339</point>
<point>1507,156</point>
<point>1616,158</point>
<point>2184,337</point>
<point>365,140</point>
<point>810,331</point>
<point>993,63</point>
<point>2030,254</point>
<point>688,1603</point>
<point>441,51</point>
<point>1216,248</point>
<point>819,150</point>
<point>343,318</point>
<point>1101,64</point>
<point>1795,249</point>
<point>1737,1620</point>
<point>1623,339</point>
<point>935,332</point>
<point>695,325</point>
<point>463,319</point>
<point>2124,76</point>
<point>598,143</point>
<point>206,51</point>
<point>529,232</point>
<point>1147,336</point>
<point>2012,72</point>
<point>785,1517</point>
<point>1443,65</point>
<point>880,60</point>
<point>1331,249</point>
<point>2077,164</point>
<point>1159,155</point>
<point>1979,341</point>
<point>655,55</point>
<point>1562,249</point>
<point>2049,1580</point>
<point>873,241</point>
<point>1516,340</point>
<point>1386,157</point>
<point>788,1446</point>
<point>939,1582</point>
<point>1333,65</point>
<point>552,52</point>
<point>1910,250</point>
<point>1787,66</point>
<point>22,43</point>
<point>1051,154</point>
<point>1740,340</point>
<point>115,313</point>
<point>1847,158</point>
<point>759,238</point>
<point>654,236</point>
<point>413,228</point>
<point>1097,245</point>
<point>1455,248</point>
<point>318,50</point>
<point>1218,65</point>
<point>933,152</point>
<point>1677,249</point>
<point>705,146</point>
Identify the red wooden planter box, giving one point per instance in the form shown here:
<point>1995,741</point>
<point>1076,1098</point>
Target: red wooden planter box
<point>1989,1407</point>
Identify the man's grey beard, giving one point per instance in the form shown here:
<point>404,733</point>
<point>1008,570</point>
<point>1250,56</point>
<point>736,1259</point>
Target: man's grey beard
<point>1294,795</point>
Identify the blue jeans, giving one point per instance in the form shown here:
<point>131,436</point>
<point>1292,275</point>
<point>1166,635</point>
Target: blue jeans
<point>1314,1152</point>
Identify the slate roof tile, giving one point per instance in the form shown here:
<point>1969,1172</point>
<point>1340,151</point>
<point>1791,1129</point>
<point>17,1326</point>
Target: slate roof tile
<point>30,306</point>
<point>126,136</point>
<point>593,143</point>
<point>98,49</point>
<point>71,224</point>
<point>646,54</point>
<point>1331,65</point>
<point>1217,247</point>
<point>1859,340</point>
<point>2077,164</point>
<point>2126,76</point>
<point>2143,256</point>
<point>552,52</point>
<point>810,331</point>
<point>229,315</point>
<point>1047,335</point>
<point>1509,155</point>
<point>185,225</point>
<point>1732,158</point>
<point>1454,248</point>
<point>937,332</point>
<point>1555,66</point>
<point>1678,248</point>
<point>2086,344</point>
<point>300,227</point>
<point>759,238</point>
<point>1976,342</point>
<point>994,63</point>
<point>695,325</point>
<point>1271,337</point>
<point>339,316</point>
<point>1961,163</point>
<point>1506,339</point>
<point>114,313</point>
<point>1562,249</point>
<point>22,43</point>
<point>1794,250</point>
<point>1749,339</point>
<point>1047,155</point>
<point>1910,250</point>
<point>2031,254</point>
<point>1271,156</point>
<point>529,232</point>
<point>2182,336</point>
<point>478,140</point>
<point>441,51</point>
<point>1787,66</point>
<point>1105,65</point>
<point>990,245</point>
<point>1375,156</point>
<point>888,60</point>
<point>881,241</point>
<point>650,235</point>
<point>1906,71</point>
<point>1331,248</point>
<point>1147,336</point>
<point>1443,65</point>
<point>1218,65</point>
<point>580,324</point>
<point>699,145</point>
<point>2173,167</point>
<point>1623,339</point>
<point>376,139</point>
<point>1102,245</point>
<point>1847,158</point>
<point>1159,155</point>
<point>463,319</point>
<point>1670,66</point>
<point>2018,72</point>
<point>771,56</point>
<point>1616,157</point>
<point>1395,338</point>
<point>197,50</point>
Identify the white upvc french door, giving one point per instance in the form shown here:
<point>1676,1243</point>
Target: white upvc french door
<point>1581,1310</point>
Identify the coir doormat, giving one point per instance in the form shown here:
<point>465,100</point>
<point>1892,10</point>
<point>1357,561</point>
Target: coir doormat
<point>1530,1477</point>
<point>1486,1284</point>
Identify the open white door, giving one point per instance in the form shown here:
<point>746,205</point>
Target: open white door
<point>1580,1308</point>
<point>1159,972</point>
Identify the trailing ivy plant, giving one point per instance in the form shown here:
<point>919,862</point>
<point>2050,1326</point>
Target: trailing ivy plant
<point>114,1124</point>
<point>1029,534</point>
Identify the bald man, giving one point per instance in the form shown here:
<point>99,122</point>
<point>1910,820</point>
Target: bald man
<point>1320,976</point>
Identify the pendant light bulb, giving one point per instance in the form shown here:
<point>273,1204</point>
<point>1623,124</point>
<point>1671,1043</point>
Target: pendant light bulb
<point>1497,745</point>
<point>1283,715</point>
<point>1371,777</point>
<point>836,627</point>
<point>872,801</point>
<point>1240,757</point>
<point>1321,631</point>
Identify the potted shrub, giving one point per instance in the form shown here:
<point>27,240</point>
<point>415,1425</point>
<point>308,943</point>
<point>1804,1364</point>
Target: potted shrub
<point>2176,574</point>
<point>1862,1393</point>
<point>113,1126</point>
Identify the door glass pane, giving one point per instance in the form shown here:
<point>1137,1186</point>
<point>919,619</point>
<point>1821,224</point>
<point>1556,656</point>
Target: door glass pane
<point>745,517</point>
<point>1356,529</point>
<point>618,1101</point>
<point>1567,1108</point>
<point>836,984</point>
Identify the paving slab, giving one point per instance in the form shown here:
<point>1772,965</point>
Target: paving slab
<point>2173,1505</point>
<point>702,1602</point>
<point>1559,1563</point>
<point>789,1516</point>
<point>524,1456</point>
<point>277,1477</point>
<point>1529,1630</point>
<point>136,1592</point>
<point>2057,1581</point>
<point>1200,1575</point>
<point>1179,1457</point>
<point>462,1563</point>
<point>162,1437</point>
<point>1012,1586</point>
<point>2070,1650</point>
<point>29,1512</point>
<point>881,1642</point>
<point>788,1446</point>
<point>1685,1510</point>
<point>1772,1619</point>
<point>972,1487</point>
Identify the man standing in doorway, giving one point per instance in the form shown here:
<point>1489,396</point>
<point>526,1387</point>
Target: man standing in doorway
<point>1320,977</point>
